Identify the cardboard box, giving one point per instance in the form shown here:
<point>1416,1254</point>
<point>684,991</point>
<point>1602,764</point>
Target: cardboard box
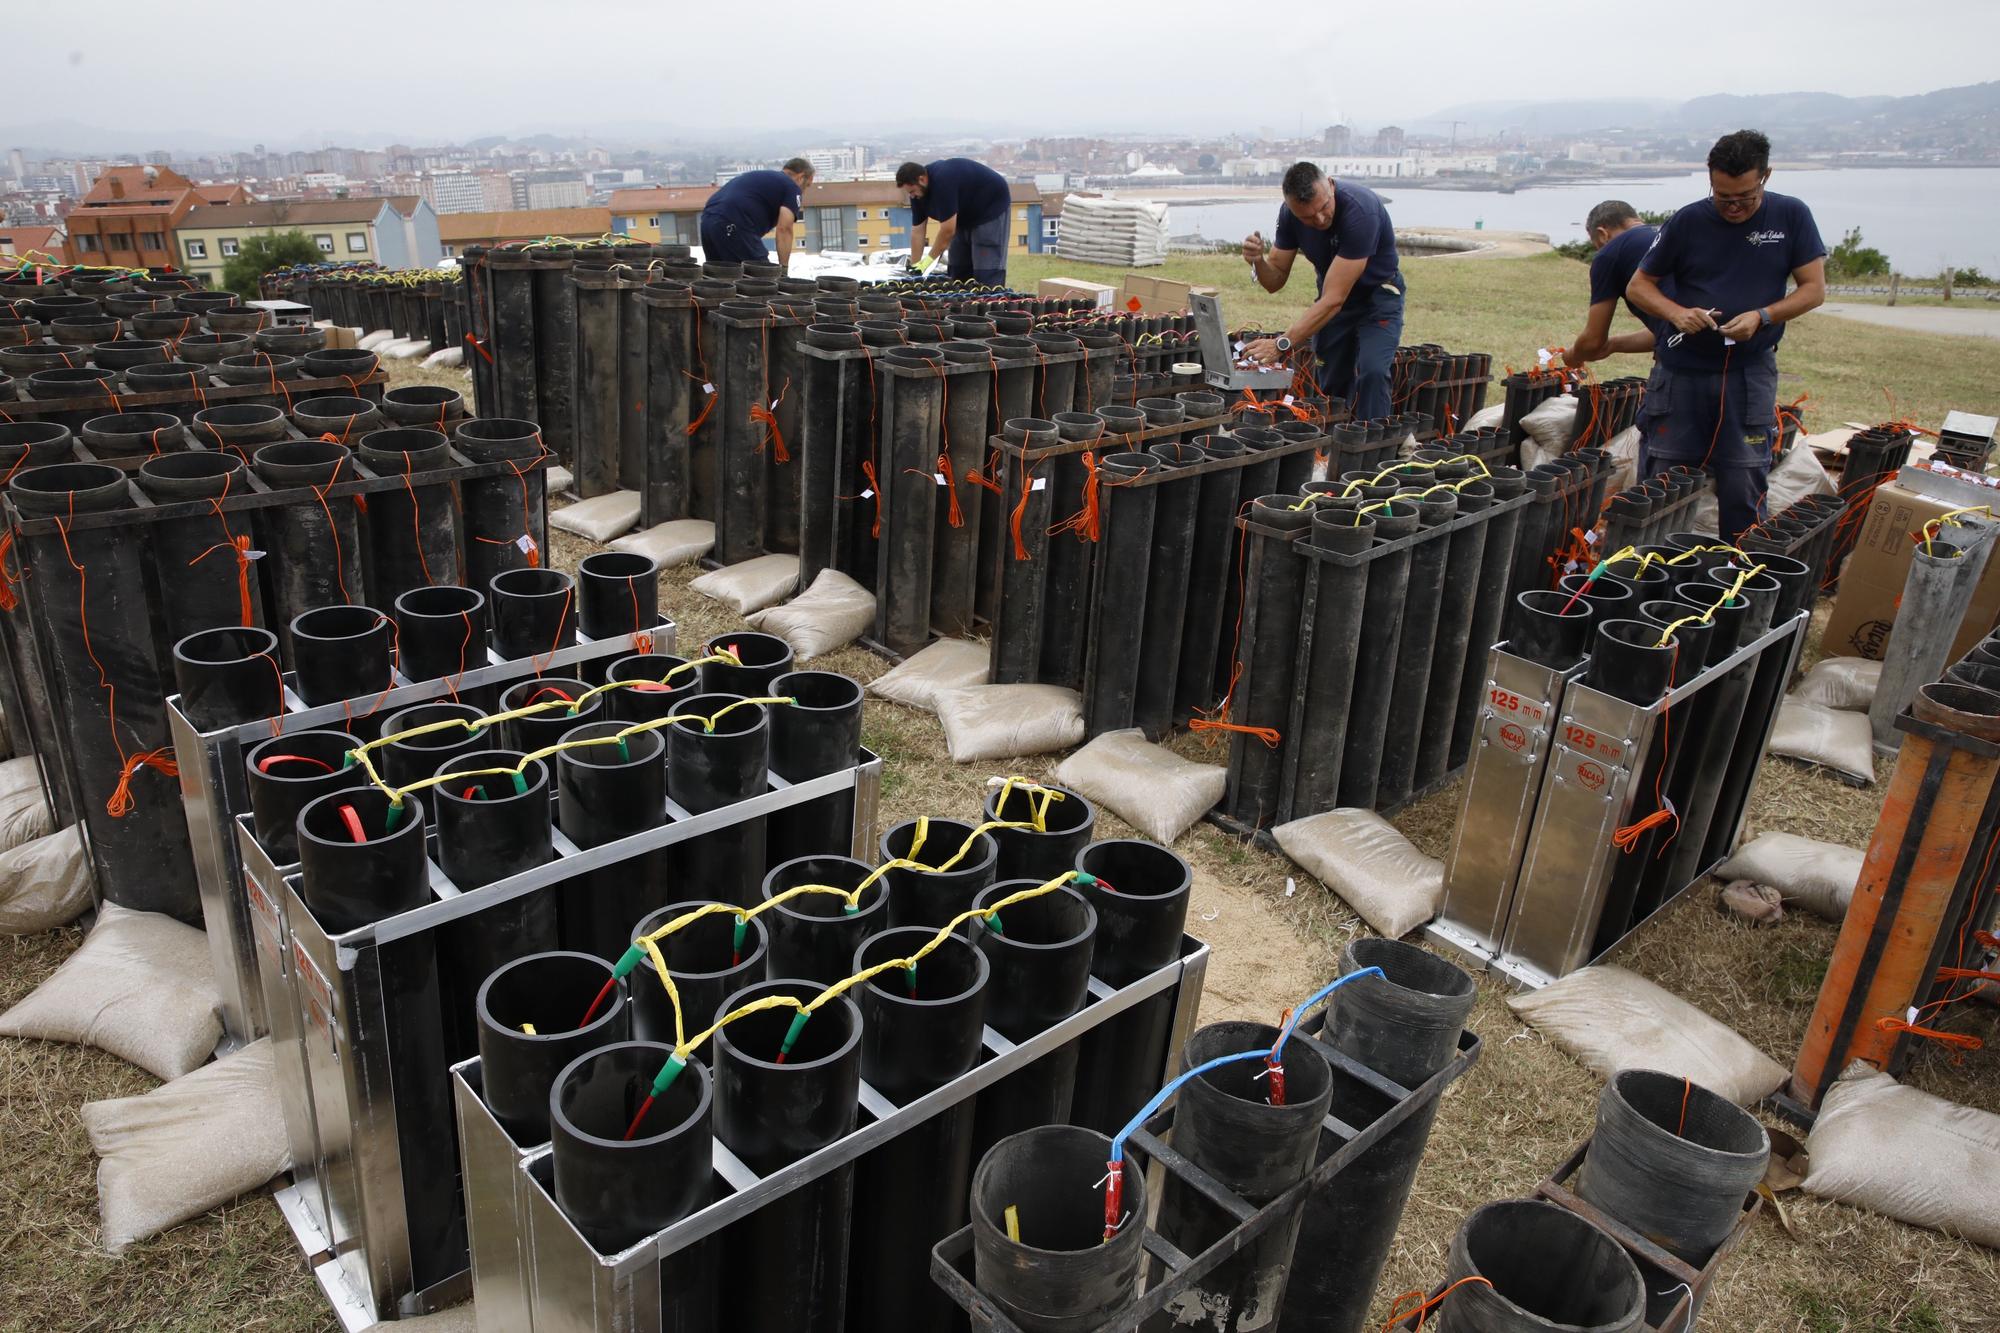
<point>1864,612</point>
<point>338,337</point>
<point>1075,289</point>
<point>1146,295</point>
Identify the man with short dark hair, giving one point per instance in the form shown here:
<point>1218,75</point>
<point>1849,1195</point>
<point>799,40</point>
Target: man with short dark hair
<point>737,216</point>
<point>1712,400</point>
<point>1621,239</point>
<point>1357,319</point>
<point>971,203</point>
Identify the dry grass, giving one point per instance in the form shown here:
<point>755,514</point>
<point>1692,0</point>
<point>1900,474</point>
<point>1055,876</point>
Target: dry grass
<point>1501,1128</point>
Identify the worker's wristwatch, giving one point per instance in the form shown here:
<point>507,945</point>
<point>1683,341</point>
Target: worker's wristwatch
<point>1284,344</point>
<point>1764,314</point>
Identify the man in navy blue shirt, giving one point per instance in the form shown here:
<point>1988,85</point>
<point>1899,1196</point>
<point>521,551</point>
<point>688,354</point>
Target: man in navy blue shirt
<point>1621,239</point>
<point>971,203</point>
<point>1713,397</point>
<point>1344,232</point>
<point>737,216</point>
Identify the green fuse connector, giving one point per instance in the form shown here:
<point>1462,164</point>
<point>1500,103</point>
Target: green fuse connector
<point>670,1071</point>
<point>792,1033</point>
<point>627,961</point>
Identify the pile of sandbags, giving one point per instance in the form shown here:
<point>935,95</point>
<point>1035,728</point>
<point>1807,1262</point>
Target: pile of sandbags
<point>1104,230</point>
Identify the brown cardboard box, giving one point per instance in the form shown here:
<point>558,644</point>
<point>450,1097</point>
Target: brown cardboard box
<point>1864,613</point>
<point>1073,289</point>
<point>338,337</point>
<point>1156,296</point>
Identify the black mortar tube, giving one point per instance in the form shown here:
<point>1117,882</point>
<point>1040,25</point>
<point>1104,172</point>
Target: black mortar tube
<point>413,758</point>
<point>707,770</point>
<point>816,734</point>
<point>815,934</point>
<point>736,360</point>
<point>1415,654</point>
<point>764,658</point>
<point>1375,672</point>
<point>1041,960</point>
<point>1025,853</point>
<point>412,530</point>
<point>1210,572</point>
<point>1117,612</point>
<point>967,402</point>
<point>551,993</point>
<point>1141,901</point>
<point>1462,585</point>
<point>348,883</point>
<point>1489,608</point>
<point>1167,590</point>
<point>490,826</point>
<point>533,611</point>
<point>705,960</point>
<point>919,1031</point>
<point>669,334</point>
<point>504,517</point>
<point>1073,556</point>
<point>1628,660</point>
<point>1338,591</point>
<point>618,592</point>
<point>285,773</point>
<point>1274,579</point>
<point>771,1115</point>
<point>440,631</point>
<point>207,581</point>
<point>513,336</point>
<point>532,732</point>
<point>342,652</point>
<point>1020,606</point>
<point>1545,1267</point>
<point>315,549</point>
<point>912,411</point>
<point>1060,1276</point>
<point>1405,1026</point>
<point>604,793</point>
<point>555,345</point>
<point>667,682</point>
<point>227,677</point>
<point>931,898</point>
<point>598,294</point>
<point>1550,627</point>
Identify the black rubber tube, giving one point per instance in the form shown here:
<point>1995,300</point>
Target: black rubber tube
<point>440,631</point>
<point>347,884</point>
<point>1211,572</point>
<point>1415,653</point>
<point>669,682</point>
<point>1141,901</point>
<point>1167,590</point>
<point>598,294</point>
<point>816,734</point>
<point>618,592</point>
<point>910,390</point>
<point>784,366</point>
<point>533,611</point>
<point>536,730</point>
<point>412,530</point>
<point>227,677</point>
<point>1456,608</point>
<point>618,1191</point>
<point>918,1032</point>
<point>1117,613</point>
<point>342,652</point>
<point>1405,1026</point>
<point>414,758</point>
<point>709,770</point>
<point>1489,608</point>
<point>968,399</point>
<point>1225,1123</point>
<point>285,773</point>
<point>764,658</point>
<point>513,334</point>
<point>1274,578</point>
<point>1673,1161</point>
<point>1548,1269</point>
<point>555,345</point>
<point>669,316</point>
<point>206,581</point>
<point>500,831</point>
<point>551,993</point>
<point>1041,959</point>
<point>1021,608</point>
<point>736,361</point>
<point>1069,820</point>
<point>1550,627</point>
<point>1628,661</point>
<point>1073,557</point>
<point>815,934</point>
<point>315,549</point>
<point>505,517</point>
<point>1060,1276</point>
<point>604,793</point>
<point>705,960</point>
<point>1377,666</point>
<point>931,898</point>
<point>827,390</point>
<point>770,1115</point>
<point>1337,591</point>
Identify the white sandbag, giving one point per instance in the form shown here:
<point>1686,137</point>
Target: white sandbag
<point>370,341</point>
<point>1009,721</point>
<point>186,1146</point>
<point>1818,875</point>
<point>408,349</point>
<point>1908,1155</point>
<point>24,811</point>
<point>1148,786</point>
<point>1614,1020</point>
<point>750,585</point>
<point>831,614</point>
<point>1624,451</point>
<point>948,664</point>
<point>1840,682</point>
<point>450,356</point>
<point>140,987</point>
<point>1829,737</point>
<point>1490,415</point>
<point>600,518</point>
<point>1548,430</point>
<point>559,479</point>
<point>678,541</point>
<point>458,1319</point>
<point>44,884</point>
<point>1367,861</point>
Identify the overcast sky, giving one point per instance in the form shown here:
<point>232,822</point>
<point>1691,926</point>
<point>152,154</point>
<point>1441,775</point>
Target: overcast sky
<point>366,72</point>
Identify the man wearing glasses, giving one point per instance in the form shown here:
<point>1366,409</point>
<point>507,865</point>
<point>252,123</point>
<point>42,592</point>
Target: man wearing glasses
<point>1712,399</point>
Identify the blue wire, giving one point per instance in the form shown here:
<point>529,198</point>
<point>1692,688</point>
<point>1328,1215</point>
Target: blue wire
<point>1278,1047</point>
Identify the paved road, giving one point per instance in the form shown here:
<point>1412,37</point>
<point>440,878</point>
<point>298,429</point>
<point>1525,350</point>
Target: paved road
<point>1922,319</point>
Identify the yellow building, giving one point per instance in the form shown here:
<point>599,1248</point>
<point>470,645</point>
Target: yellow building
<point>398,232</point>
<point>660,215</point>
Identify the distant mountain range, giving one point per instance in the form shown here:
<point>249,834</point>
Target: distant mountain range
<point>1948,117</point>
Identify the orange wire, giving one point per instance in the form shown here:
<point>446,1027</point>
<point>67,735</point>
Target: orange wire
<point>1398,1313</point>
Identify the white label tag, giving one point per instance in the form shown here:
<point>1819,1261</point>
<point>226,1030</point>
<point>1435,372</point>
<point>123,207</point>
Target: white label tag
<point>253,555</point>
<point>939,476</point>
<point>866,495</point>
<point>1542,357</point>
<point>1288,400</point>
<point>1238,344</point>
<point>526,543</point>
<point>1590,538</point>
<point>707,388</point>
<point>774,404</point>
<point>1039,484</point>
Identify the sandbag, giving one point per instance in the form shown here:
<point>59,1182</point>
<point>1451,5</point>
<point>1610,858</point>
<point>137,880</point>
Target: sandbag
<point>1908,1155</point>
<point>1148,786</point>
<point>186,1146</point>
<point>831,614</point>
<point>1548,430</point>
<point>1369,864</point>
<point>1008,721</point>
<point>406,349</point>
<point>1612,1020</point>
<point>24,811</point>
<point>600,518</point>
<point>1624,451</point>
<point>140,986</point>
<point>450,356</point>
<point>1818,875</point>
<point>560,479</point>
<point>44,884</point>
<point>675,542</point>
<point>750,585</point>
<point>1829,737</point>
<point>1840,682</point>
<point>948,664</point>
<point>368,342</point>
<point>1797,475</point>
<point>1490,415</point>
